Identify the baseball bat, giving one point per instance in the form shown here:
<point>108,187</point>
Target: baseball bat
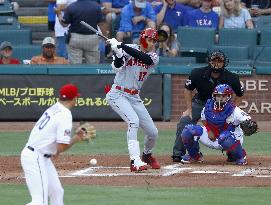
<point>98,33</point>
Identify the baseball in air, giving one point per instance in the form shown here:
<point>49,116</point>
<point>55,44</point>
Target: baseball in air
<point>93,162</point>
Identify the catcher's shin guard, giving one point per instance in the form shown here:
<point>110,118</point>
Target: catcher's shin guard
<point>188,140</point>
<point>231,145</point>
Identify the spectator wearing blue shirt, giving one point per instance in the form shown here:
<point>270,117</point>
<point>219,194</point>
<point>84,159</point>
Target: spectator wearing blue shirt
<point>135,16</point>
<point>112,9</point>
<point>204,16</point>
<point>171,13</point>
<point>51,14</point>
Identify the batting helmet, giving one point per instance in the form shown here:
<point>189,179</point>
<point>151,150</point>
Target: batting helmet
<point>221,95</point>
<point>148,33</point>
<point>217,61</point>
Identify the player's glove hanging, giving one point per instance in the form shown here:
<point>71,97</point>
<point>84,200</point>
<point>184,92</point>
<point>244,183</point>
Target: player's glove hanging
<point>89,131</point>
<point>249,127</point>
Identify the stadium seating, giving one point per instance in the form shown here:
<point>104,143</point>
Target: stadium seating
<point>236,54</point>
<point>176,60</point>
<point>195,41</point>
<point>26,52</point>
<point>239,37</point>
<point>265,38</point>
<point>9,22</point>
<point>262,55</point>
<point>262,22</point>
<point>16,37</point>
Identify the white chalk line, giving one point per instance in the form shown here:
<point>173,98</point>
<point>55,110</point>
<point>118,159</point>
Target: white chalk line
<point>165,171</point>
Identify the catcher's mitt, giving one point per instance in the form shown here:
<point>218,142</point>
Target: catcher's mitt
<point>88,130</point>
<point>249,127</point>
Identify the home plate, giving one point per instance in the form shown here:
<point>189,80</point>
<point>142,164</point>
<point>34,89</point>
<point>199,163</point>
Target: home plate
<point>102,171</point>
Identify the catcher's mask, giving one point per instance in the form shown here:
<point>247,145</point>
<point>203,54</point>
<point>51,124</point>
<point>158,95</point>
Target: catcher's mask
<point>217,61</point>
<point>222,94</point>
<point>148,33</point>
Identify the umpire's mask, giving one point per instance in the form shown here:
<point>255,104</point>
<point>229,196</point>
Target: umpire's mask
<point>217,61</point>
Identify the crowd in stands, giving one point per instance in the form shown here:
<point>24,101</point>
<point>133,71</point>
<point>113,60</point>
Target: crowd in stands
<point>124,20</point>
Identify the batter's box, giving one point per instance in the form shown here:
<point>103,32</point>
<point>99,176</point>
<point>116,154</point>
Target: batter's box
<point>255,172</point>
<point>102,171</point>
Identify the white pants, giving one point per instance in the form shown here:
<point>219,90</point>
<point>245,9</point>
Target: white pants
<point>204,139</point>
<point>41,178</point>
<point>132,110</point>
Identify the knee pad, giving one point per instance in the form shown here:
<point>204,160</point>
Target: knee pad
<point>230,144</point>
<point>190,131</point>
<point>188,134</point>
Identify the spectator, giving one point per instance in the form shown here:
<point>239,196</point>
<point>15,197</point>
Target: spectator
<point>51,15</point>
<point>112,9</point>
<point>204,16</point>
<point>134,18</point>
<point>83,43</point>
<point>233,16</point>
<point>48,54</point>
<point>171,46</point>
<point>6,51</point>
<point>192,4</point>
<point>204,81</point>
<point>60,31</point>
<point>171,13</point>
<point>155,3</point>
<point>258,7</point>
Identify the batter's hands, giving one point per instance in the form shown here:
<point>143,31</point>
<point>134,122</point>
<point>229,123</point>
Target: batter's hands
<point>114,46</point>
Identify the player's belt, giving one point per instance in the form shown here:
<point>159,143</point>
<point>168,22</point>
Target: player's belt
<point>32,149</point>
<point>131,92</point>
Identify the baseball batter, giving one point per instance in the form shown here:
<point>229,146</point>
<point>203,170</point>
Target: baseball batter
<point>221,130</point>
<point>50,136</point>
<point>133,64</point>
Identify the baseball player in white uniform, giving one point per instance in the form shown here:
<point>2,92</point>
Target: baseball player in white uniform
<point>133,64</point>
<point>50,136</point>
<point>221,130</point>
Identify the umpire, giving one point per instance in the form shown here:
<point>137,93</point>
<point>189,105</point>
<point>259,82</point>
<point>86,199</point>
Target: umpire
<point>204,81</point>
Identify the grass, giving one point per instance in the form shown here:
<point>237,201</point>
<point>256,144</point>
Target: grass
<point>114,142</point>
<point>104,195</point>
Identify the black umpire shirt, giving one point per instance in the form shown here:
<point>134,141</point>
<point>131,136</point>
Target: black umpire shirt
<point>201,80</point>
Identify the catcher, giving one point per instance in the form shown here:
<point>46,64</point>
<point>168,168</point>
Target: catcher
<point>223,128</point>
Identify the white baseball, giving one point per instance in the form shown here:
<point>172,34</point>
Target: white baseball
<point>93,162</point>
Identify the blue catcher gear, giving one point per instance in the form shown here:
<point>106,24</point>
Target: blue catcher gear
<point>190,144</point>
<point>232,146</point>
<point>222,94</point>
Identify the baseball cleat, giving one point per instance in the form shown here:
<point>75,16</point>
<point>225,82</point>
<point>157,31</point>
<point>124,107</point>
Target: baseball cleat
<point>186,159</point>
<point>150,160</point>
<point>242,161</point>
<point>137,167</point>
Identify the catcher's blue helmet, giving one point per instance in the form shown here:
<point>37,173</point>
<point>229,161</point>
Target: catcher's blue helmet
<point>222,94</point>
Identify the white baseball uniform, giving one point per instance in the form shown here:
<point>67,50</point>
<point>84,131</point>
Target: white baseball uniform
<point>53,127</point>
<point>235,119</point>
<point>125,100</point>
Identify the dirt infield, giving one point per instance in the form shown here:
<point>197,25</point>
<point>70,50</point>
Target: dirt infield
<point>114,171</point>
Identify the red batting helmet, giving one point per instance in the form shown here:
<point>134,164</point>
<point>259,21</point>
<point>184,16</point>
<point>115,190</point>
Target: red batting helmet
<point>148,33</point>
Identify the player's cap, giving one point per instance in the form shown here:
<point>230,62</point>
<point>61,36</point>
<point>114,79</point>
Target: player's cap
<point>48,40</point>
<point>69,91</point>
<point>140,4</point>
<point>5,44</point>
